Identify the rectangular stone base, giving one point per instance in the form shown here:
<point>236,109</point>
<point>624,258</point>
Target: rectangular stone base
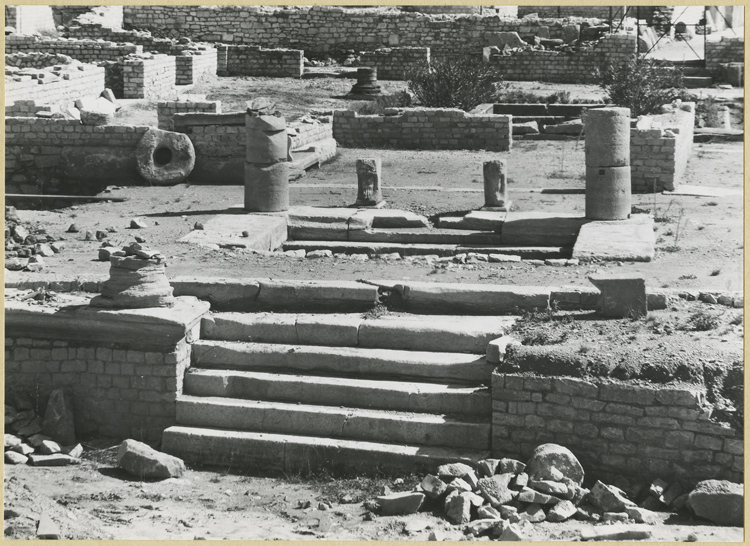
<point>369,205</point>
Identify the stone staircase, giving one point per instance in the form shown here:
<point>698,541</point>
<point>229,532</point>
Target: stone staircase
<point>292,392</point>
<point>695,74</point>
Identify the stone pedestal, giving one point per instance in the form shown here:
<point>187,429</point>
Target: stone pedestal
<point>368,183</point>
<point>135,283</point>
<point>495,186</point>
<point>266,163</point>
<point>623,296</point>
<point>367,82</point>
<point>608,189</point>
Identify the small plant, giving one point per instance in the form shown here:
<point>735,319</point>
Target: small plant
<point>711,204</point>
<point>702,321</point>
<point>641,84</point>
<point>736,320</point>
<point>376,312</point>
<point>715,272</point>
<point>584,349</point>
<point>454,83</point>
<point>687,277</point>
<point>543,337</point>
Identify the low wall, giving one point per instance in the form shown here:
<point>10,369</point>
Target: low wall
<point>192,65</point>
<point>122,370</point>
<point>149,77</point>
<point>97,31</point>
<point>57,87</point>
<point>423,129</point>
<point>35,60</point>
<point>166,110</point>
<point>50,156</point>
<point>558,12</point>
<point>728,50</point>
<point>615,429</point>
<point>659,155</point>
<point>246,60</point>
<point>566,67</point>
<point>86,51</point>
<point>25,109</point>
<point>393,63</point>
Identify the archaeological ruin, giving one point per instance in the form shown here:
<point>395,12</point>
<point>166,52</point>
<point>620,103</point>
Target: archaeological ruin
<point>506,296</point>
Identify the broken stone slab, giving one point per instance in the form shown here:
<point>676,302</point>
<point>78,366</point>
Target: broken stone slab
<point>533,513</point>
<point>607,498</point>
<point>547,457</point>
<point>521,480</point>
<point>561,511</point>
<point>512,532</point>
<point>23,449</point>
<point>12,441</point>
<point>433,486</point>
<point>457,484</point>
<point>144,462</point>
<point>495,489</point>
<point>488,512</point>
<point>58,421</point>
<point>454,469</point>
<point>47,529</point>
<point>11,457</point>
<point>49,447</point>
<point>525,128</point>
<point>74,451</point>
<point>641,515</point>
<point>573,128</point>
<point>58,459</point>
<point>630,240</point>
<point>387,218</point>
<point>535,497</point>
<point>512,466</point>
<point>622,295</point>
<point>500,258</point>
<point>719,501</point>
<point>479,526</point>
<point>613,533</point>
<point>398,504</point>
<point>458,508</point>
<point>535,228</point>
<point>549,487</point>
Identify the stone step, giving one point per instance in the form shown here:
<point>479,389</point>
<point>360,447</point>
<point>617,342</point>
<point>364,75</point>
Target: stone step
<point>339,391</point>
<point>320,231</point>
<point>334,422</point>
<point>448,333</point>
<point>342,361</point>
<point>288,453</point>
<point>440,250</point>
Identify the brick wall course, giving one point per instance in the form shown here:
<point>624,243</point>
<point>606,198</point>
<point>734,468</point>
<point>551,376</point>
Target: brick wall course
<point>628,428</point>
<point>423,128</point>
<point>86,50</point>
<point>149,77</point>
<point>596,12</point>
<point>53,86</point>
<point>727,50</point>
<point>248,60</point>
<point>393,63</point>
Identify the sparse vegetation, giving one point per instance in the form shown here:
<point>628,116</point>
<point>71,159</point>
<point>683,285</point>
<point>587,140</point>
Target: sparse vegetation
<point>702,321</point>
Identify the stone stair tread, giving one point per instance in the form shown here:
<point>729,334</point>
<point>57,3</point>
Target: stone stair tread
<point>285,452</point>
<point>334,421</point>
<point>411,396</point>
<point>348,361</point>
<point>423,249</point>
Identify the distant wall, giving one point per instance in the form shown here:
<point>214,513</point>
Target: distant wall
<point>191,65</point>
<point>598,12</point>
<point>149,77</point>
<point>728,50</point>
<point>56,86</point>
<point>166,110</point>
<point>86,51</point>
<point>245,60</point>
<point>393,63</point>
<point>423,129</point>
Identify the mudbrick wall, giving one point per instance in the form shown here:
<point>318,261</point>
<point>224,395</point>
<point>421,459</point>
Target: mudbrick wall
<point>166,110</point>
<point>659,155</point>
<point>598,12</point>
<point>728,50</point>
<point>53,86</point>
<point>615,429</point>
<point>149,77</point>
<point>393,62</point>
<point>35,60</point>
<point>192,64</point>
<point>25,109</point>
<point>319,30</point>
<point>86,51</point>
<point>119,392</point>
<point>566,67</point>
<point>54,156</point>
<point>423,129</point>
<point>246,60</point>
<point>149,43</point>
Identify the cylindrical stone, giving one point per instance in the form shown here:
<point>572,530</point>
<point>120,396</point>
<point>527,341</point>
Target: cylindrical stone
<point>608,193</point>
<point>266,139</point>
<point>368,182</point>
<point>495,187</point>
<point>607,137</point>
<point>267,187</point>
<point>135,283</point>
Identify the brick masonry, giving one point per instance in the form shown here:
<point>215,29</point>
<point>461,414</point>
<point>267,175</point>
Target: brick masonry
<point>423,129</point>
<point>615,429</point>
<point>149,77</point>
<point>86,50</point>
<point>728,50</point>
<point>192,65</point>
<point>596,12</point>
<point>566,67</point>
<point>54,86</point>
<point>659,156</point>
<point>320,30</point>
<point>247,60</point>
<point>166,110</point>
<point>393,62</point>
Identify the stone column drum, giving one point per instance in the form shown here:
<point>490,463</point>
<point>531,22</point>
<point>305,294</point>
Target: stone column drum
<point>495,186</point>
<point>266,166</point>
<point>368,183</point>
<point>608,192</point>
<point>367,82</point>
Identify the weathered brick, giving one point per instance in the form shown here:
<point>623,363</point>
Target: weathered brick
<point>708,442</point>
<point>104,354</point>
<point>626,394</point>
<point>556,398</point>
<point>624,409</point>
<point>613,418</point>
<point>661,422</point>
<point>575,387</point>
<point>678,439</point>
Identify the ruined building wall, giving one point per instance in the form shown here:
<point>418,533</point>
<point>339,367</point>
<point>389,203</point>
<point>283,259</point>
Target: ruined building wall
<point>393,63</point>
<point>597,12</point>
<point>72,83</point>
<point>166,110</point>
<point>150,43</point>
<point>728,50</point>
<point>86,51</point>
<point>566,67</point>
<point>615,429</point>
<point>423,129</point>
<point>319,30</point>
<point>192,65</point>
<point>149,77</point>
<point>246,60</point>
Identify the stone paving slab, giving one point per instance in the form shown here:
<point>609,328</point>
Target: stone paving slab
<point>265,231</point>
<point>627,240</point>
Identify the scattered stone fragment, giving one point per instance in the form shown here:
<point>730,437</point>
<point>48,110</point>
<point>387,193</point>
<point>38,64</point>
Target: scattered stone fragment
<point>49,447</point>
<point>58,459</point>
<point>500,258</point>
<point>47,529</point>
<point>58,421</point>
<point>614,517</point>
<point>512,532</point>
<point>137,223</point>
<point>548,456</point>
<point>433,486</point>
<point>436,536</point>
<point>549,487</point>
<point>144,462</point>
<point>607,499</point>
<point>521,480</point>
<point>16,264</point>
<point>641,515</point>
<point>487,512</point>
<point>400,503</point>
<point>479,526</point>
<point>495,489</point>
<point>680,502</point>
<point>454,469</point>
<point>509,465</point>
<point>612,533</point>
<point>37,439</point>
<point>295,253</point>
<point>507,511</point>
<point>23,449</point>
<point>11,457</point>
<point>719,501</point>
<point>458,508</point>
<point>12,441</point>
<point>75,451</point>
<point>529,495</point>
<point>487,467</point>
<point>198,225</point>
<point>35,263</point>
<point>561,511</point>
<point>44,250</point>
<point>533,513</point>
<point>57,246</point>
<point>319,254</point>
<point>586,512</point>
<point>671,493</point>
<point>457,484</point>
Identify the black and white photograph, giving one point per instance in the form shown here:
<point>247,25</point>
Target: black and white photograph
<point>374,272</point>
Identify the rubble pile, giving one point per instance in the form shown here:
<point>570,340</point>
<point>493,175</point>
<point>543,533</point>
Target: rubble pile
<point>501,498</point>
<point>27,246</point>
<point>41,440</point>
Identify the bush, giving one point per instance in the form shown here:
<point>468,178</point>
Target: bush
<point>454,83</point>
<point>643,85</point>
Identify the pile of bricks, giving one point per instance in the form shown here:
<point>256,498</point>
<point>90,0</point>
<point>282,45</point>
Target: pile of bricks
<point>194,62</point>
<point>86,51</point>
<point>55,86</point>
<point>246,60</point>
<point>728,50</point>
<point>166,110</point>
<point>393,62</point>
<point>423,129</point>
<point>35,60</point>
